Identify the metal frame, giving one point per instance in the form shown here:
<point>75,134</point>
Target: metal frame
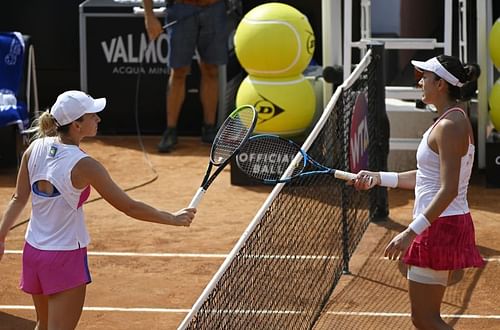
<point>485,80</point>
<point>462,33</point>
<point>395,43</point>
<point>331,24</point>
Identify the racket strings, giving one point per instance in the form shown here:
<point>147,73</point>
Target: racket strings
<point>268,158</point>
<point>230,137</point>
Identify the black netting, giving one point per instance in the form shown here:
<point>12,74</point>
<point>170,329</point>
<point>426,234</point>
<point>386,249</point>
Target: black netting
<point>283,275</point>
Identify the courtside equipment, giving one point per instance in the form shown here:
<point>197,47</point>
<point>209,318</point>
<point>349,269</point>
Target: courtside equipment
<point>285,106</point>
<point>494,102</point>
<point>494,43</point>
<point>274,39</point>
<point>231,136</point>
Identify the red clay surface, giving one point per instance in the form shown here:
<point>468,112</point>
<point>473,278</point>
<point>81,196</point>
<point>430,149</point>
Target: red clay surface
<point>168,285</point>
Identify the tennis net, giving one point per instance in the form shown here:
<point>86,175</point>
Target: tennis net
<point>283,269</point>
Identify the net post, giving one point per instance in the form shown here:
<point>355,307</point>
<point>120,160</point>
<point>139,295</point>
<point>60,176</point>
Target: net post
<point>345,195</point>
<point>379,133</point>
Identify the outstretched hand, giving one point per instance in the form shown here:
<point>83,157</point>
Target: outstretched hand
<point>366,180</point>
<point>184,217</point>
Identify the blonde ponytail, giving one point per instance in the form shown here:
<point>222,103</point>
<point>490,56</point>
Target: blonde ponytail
<point>45,126</point>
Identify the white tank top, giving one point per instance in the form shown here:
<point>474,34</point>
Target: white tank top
<point>57,221</point>
<point>428,176</point>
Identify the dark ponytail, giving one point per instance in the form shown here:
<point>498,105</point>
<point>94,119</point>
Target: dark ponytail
<point>467,74</point>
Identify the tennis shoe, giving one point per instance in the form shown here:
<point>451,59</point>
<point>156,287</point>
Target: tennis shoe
<point>168,140</point>
<point>208,133</point>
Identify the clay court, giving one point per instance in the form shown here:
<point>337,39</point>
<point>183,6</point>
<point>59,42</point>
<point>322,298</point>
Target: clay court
<point>147,276</point>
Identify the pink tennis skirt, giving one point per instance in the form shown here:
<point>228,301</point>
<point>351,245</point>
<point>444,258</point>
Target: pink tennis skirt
<point>448,244</point>
<point>49,272</point>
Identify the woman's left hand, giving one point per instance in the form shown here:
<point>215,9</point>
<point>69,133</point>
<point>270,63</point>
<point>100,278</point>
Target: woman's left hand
<point>399,244</point>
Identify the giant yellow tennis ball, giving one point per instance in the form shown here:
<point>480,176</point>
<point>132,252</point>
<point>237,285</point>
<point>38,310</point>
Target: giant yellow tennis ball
<point>274,40</point>
<point>285,106</point>
<point>494,102</point>
<point>494,43</point>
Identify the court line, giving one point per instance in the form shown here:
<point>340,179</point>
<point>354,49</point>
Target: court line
<point>208,255</point>
<point>459,316</point>
<point>138,254</point>
<point>106,309</point>
<point>184,311</point>
<point>180,310</point>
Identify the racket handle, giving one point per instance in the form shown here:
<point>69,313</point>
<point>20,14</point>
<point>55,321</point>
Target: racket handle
<point>344,175</point>
<point>197,197</point>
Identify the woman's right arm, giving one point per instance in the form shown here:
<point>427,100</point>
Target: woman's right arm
<point>88,171</point>
<point>407,180</point>
<point>18,201</point>
<point>366,180</point>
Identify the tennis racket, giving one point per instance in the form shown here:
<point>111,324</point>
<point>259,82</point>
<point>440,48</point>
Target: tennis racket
<point>233,134</point>
<point>272,159</point>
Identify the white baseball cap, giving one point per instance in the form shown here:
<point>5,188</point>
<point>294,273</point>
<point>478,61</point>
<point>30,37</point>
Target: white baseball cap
<point>433,65</point>
<point>71,105</point>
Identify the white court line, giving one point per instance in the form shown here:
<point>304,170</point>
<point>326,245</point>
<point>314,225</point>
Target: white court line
<point>138,254</point>
<point>459,316</point>
<point>207,255</point>
<point>107,309</point>
<point>193,255</point>
<point>176,310</point>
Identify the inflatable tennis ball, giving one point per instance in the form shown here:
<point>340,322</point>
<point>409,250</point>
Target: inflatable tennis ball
<point>274,40</point>
<point>285,106</point>
<point>494,43</point>
<point>494,102</point>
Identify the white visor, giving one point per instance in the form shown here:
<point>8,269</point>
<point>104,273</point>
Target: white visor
<point>433,65</point>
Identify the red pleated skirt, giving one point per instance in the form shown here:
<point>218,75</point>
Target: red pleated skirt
<point>448,244</point>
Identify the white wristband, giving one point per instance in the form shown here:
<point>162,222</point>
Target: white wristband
<point>388,179</point>
<point>419,224</point>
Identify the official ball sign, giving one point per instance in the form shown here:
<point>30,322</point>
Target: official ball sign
<point>265,164</point>
<point>359,137</point>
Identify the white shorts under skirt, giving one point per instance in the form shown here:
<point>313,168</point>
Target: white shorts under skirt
<point>428,275</point>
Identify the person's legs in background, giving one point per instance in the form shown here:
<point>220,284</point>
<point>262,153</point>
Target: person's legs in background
<point>209,92</point>
<point>212,49</point>
<point>182,38</point>
<point>203,29</point>
<point>175,98</point>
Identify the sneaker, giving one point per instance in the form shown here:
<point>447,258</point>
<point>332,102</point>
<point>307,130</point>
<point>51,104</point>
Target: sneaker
<point>168,140</point>
<point>208,133</point>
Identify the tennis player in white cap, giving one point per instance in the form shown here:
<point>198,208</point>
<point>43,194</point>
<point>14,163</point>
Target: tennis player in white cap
<point>440,239</point>
<point>58,176</point>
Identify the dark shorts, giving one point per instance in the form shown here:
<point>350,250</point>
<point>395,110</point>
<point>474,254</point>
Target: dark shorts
<point>198,28</point>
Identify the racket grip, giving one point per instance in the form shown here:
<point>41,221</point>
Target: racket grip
<point>197,197</point>
<point>344,175</point>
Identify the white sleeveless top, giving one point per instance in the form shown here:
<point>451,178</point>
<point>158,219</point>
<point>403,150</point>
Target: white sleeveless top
<point>428,176</point>
<point>57,221</point>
